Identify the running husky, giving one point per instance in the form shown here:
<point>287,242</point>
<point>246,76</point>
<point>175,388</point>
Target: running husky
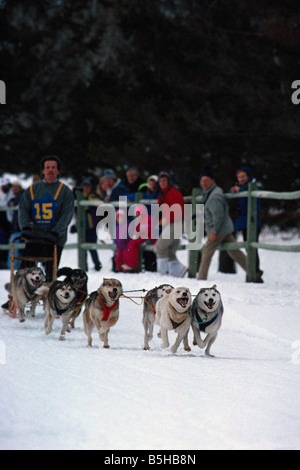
<point>102,310</point>
<point>79,280</point>
<point>173,313</point>
<point>58,302</point>
<point>23,290</point>
<point>207,312</point>
<point>149,311</point>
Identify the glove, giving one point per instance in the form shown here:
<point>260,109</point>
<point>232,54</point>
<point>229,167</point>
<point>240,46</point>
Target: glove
<point>51,237</point>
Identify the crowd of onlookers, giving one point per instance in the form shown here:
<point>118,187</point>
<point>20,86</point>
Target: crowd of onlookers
<point>218,224</point>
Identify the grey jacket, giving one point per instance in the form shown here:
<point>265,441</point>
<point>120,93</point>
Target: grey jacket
<point>216,213</point>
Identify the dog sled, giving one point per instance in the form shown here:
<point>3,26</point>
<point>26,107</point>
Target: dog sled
<point>12,308</point>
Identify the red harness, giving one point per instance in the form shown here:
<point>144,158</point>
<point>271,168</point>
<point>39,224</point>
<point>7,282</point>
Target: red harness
<point>106,309</point>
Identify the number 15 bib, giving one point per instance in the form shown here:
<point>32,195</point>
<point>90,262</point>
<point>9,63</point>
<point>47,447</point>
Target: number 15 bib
<point>43,210</point>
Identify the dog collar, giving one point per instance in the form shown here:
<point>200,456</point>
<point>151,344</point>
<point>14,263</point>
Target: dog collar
<point>106,309</point>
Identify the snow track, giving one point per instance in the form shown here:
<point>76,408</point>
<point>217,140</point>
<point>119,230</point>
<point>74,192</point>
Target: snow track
<point>63,395</point>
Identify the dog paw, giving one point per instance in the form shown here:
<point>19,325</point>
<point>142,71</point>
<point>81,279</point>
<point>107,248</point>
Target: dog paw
<point>62,338</point>
<point>209,355</point>
<point>146,348</point>
<point>22,320</point>
<point>106,346</point>
<point>48,331</point>
<point>69,329</point>
<point>187,348</point>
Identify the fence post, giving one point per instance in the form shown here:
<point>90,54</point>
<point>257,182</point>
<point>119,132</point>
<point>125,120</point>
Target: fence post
<point>81,231</point>
<point>251,233</point>
<point>194,254</point>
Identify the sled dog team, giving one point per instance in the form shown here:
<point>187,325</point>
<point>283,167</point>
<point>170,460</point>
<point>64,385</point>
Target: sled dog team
<point>170,308</point>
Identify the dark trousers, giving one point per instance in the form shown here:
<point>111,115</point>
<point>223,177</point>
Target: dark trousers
<point>42,250</point>
<point>91,237</point>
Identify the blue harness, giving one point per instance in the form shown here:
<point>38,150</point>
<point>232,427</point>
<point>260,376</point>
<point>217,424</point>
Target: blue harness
<point>203,324</point>
<point>59,311</point>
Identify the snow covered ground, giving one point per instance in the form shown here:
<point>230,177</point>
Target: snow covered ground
<point>63,395</point>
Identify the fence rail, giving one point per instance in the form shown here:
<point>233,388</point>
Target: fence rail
<point>251,245</point>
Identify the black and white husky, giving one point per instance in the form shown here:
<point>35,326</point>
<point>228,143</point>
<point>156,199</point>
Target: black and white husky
<point>207,312</point>
<point>58,303</point>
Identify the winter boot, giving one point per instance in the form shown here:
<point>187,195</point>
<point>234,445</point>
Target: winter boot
<point>177,269</point>
<point>162,265</point>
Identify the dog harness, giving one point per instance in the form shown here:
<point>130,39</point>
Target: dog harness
<point>43,210</point>
<point>80,301</point>
<point>175,324</point>
<point>106,309</point>
<point>203,324</point>
<point>59,311</point>
<point>150,305</point>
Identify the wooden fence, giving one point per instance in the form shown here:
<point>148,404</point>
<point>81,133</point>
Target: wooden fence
<point>193,253</point>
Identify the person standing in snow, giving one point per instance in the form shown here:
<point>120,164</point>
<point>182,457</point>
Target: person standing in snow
<point>91,221</point>
<point>244,177</point>
<point>218,225</point>
<point>142,236</point>
<point>172,205</point>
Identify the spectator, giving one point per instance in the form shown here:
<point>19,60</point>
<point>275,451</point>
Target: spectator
<point>6,188</point>
<point>15,231</point>
<point>114,187</point>
<point>91,221</point>
<point>131,254</point>
<point>244,177</point>
<point>122,238</point>
<point>152,189</point>
<point>172,205</point>
<point>5,223</point>
<point>218,225</point>
<point>133,180</point>
<point>101,188</point>
<point>45,211</point>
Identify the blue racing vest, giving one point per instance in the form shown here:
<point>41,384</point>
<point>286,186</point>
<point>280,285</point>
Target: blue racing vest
<point>43,210</point>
